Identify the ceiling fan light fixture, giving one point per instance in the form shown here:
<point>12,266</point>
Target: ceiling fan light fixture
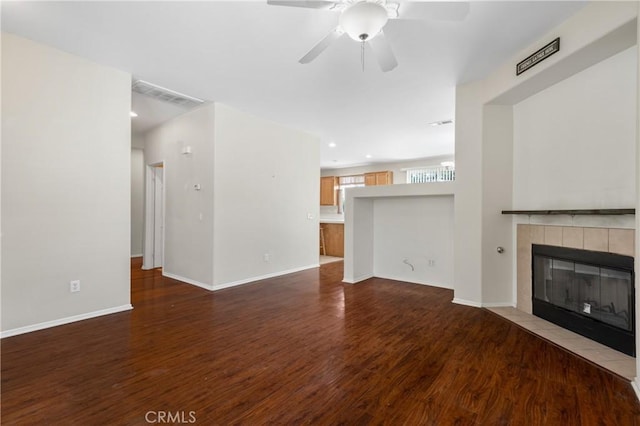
<point>363,20</point>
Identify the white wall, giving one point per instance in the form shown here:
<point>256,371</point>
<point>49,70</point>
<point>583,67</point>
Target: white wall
<point>137,140</point>
<point>65,186</point>
<point>380,231</point>
<point>137,201</point>
<point>266,185</point>
<point>188,239</point>
<point>497,189</point>
<point>258,183</point>
<point>415,229</point>
<point>596,32</point>
<point>574,143</point>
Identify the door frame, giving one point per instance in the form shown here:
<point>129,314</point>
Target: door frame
<point>149,214</point>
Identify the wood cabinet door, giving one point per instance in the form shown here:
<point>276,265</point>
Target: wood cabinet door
<point>378,178</point>
<point>334,239</point>
<point>382,178</point>
<point>370,179</point>
<point>328,191</point>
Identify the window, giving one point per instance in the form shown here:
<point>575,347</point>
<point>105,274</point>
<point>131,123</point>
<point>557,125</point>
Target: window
<point>345,182</point>
<point>431,174</point>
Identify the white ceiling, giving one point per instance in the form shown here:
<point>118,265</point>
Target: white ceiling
<point>245,54</point>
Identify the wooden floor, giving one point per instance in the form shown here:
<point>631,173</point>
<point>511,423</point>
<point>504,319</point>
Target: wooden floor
<point>302,349</point>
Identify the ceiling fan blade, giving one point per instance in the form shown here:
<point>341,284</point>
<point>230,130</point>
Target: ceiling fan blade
<point>383,53</point>
<point>311,4</point>
<point>437,10</point>
<point>321,46</point>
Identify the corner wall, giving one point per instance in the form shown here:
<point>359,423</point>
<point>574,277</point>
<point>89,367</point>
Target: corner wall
<point>66,158</point>
<point>137,201</point>
<point>597,32</point>
<point>413,239</point>
<point>266,198</point>
<point>188,213</point>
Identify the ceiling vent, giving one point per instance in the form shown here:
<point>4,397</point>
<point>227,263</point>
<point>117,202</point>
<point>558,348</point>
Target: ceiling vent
<point>165,95</point>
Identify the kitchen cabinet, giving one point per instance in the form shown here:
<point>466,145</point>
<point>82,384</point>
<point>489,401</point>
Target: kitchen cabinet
<point>333,238</point>
<point>378,178</point>
<point>328,190</point>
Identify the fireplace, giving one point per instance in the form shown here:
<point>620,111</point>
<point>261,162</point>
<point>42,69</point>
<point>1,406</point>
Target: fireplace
<point>588,292</point>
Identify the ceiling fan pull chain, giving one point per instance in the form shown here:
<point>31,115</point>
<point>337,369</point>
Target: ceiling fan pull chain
<point>362,55</point>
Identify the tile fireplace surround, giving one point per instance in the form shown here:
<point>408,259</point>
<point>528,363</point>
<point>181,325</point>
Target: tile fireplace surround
<point>611,240</point>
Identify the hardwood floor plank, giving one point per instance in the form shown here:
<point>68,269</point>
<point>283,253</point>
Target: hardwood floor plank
<point>302,349</point>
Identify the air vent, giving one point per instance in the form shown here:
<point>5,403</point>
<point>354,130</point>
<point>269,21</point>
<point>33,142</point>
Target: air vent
<point>165,95</point>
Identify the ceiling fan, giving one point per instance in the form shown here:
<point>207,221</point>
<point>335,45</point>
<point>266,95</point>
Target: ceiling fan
<point>364,20</point>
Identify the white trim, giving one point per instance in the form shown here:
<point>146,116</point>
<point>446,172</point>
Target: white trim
<point>149,200</point>
<point>187,280</point>
<point>430,284</point>
<point>499,305</point>
<point>136,255</point>
<point>357,279</point>
<point>262,277</point>
<point>636,386</point>
<point>466,302</point>
<point>63,321</point>
<point>239,282</point>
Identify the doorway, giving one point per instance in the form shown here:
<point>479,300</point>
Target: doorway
<point>154,217</point>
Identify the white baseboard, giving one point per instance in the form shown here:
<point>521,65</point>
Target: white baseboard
<point>403,279</point>
<point>63,321</point>
<point>187,280</point>
<point>499,305</point>
<point>636,386</point>
<point>356,279</point>
<point>262,277</point>
<point>239,282</point>
<point>466,302</point>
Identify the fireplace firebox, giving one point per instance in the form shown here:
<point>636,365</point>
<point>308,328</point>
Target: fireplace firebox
<point>590,293</point>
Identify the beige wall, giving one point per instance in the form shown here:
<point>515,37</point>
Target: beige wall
<point>66,159</point>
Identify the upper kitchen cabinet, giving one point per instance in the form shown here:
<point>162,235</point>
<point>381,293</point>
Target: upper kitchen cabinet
<point>328,190</point>
<point>378,178</point>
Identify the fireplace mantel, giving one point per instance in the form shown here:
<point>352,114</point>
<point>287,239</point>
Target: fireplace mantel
<point>577,212</point>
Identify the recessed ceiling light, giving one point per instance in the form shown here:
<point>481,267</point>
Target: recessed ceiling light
<point>440,123</point>
<point>332,145</point>
<point>368,156</point>
<point>133,114</point>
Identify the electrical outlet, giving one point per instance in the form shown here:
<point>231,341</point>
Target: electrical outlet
<point>432,262</point>
<point>266,257</point>
<point>74,286</point>
<point>586,308</point>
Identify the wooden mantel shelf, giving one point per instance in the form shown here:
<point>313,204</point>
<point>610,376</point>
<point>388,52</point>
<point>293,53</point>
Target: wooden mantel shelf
<point>591,212</point>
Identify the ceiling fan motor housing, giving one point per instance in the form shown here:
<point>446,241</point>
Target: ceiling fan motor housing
<point>363,20</point>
